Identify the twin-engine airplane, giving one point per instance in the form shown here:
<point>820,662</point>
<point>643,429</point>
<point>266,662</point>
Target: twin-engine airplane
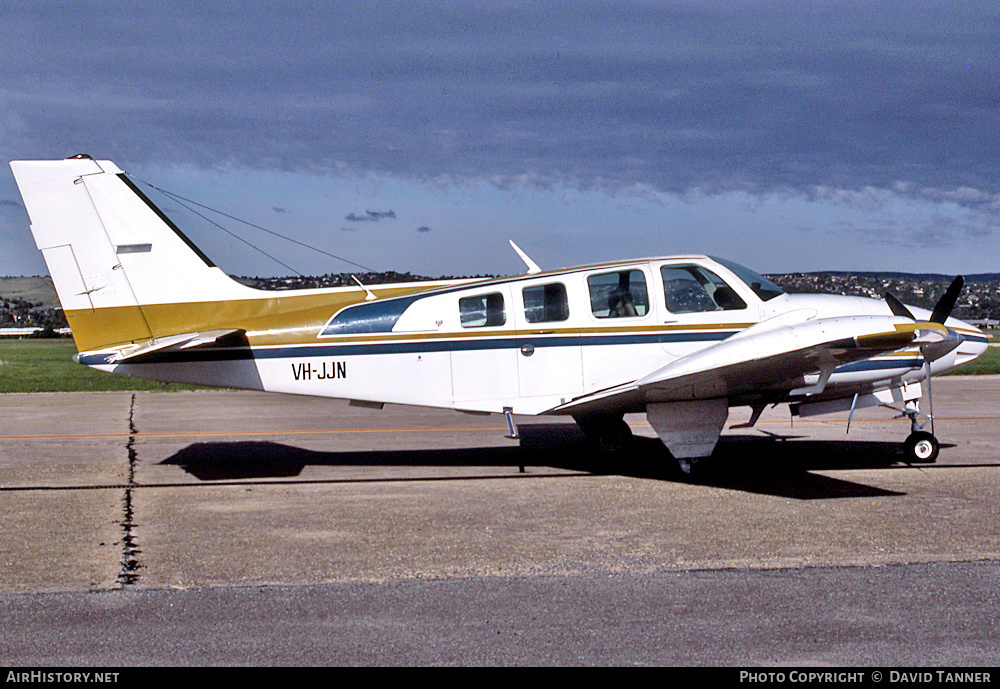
<point>680,338</point>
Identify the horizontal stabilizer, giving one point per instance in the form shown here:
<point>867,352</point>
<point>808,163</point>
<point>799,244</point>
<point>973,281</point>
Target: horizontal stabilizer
<point>150,349</point>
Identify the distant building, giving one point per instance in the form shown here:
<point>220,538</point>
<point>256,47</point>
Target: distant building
<point>28,332</point>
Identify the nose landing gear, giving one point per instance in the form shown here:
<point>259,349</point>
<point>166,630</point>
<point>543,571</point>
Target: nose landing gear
<point>921,446</point>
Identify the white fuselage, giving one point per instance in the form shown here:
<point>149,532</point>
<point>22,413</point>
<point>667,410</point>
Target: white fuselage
<point>543,354</point>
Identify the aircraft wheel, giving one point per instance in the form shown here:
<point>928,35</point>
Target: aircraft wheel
<point>615,437</point>
<point>609,435</point>
<point>922,448</point>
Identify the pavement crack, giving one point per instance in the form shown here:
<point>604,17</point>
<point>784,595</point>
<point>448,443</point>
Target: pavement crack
<point>129,574</point>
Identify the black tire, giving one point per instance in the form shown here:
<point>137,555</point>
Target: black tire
<point>922,448</point>
<point>610,435</point>
<point>615,437</point>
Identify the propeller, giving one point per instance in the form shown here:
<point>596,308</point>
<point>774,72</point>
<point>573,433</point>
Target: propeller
<point>933,343</point>
<point>947,302</point>
<point>941,310</point>
<point>935,340</point>
<point>897,307</point>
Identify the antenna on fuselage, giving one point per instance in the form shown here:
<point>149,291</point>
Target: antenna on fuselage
<point>532,266</point>
<point>371,296</point>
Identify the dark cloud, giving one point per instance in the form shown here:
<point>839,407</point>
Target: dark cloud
<point>371,216</point>
<point>676,95</point>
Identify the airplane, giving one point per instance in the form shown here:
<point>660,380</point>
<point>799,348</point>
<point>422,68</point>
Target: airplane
<point>680,338</point>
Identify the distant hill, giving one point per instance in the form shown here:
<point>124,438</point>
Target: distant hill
<point>39,289</point>
<point>929,277</point>
<point>31,289</point>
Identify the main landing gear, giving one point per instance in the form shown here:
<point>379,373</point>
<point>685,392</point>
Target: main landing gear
<point>921,446</point>
<point>606,432</point>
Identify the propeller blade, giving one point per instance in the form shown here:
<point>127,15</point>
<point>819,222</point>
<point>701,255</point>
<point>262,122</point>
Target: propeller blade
<point>944,306</point>
<point>897,307</point>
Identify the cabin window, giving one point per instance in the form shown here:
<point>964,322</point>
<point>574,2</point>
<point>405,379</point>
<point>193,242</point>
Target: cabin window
<point>368,317</point>
<point>482,311</point>
<point>545,303</point>
<point>621,294</point>
<point>693,289</point>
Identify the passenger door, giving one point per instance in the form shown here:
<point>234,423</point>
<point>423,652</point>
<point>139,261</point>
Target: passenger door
<point>549,365</point>
<point>484,357</point>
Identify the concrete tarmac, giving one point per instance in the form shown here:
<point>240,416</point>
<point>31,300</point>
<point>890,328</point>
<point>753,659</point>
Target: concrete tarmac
<point>201,491</point>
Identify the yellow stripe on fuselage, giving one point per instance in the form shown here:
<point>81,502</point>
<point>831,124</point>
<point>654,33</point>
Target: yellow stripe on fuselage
<point>273,318</point>
<point>294,319</point>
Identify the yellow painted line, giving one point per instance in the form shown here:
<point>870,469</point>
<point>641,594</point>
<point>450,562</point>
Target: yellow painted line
<point>799,420</point>
<point>190,434</point>
<point>430,429</point>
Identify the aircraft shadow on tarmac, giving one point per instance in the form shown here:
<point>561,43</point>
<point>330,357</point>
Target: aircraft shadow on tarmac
<point>769,464</point>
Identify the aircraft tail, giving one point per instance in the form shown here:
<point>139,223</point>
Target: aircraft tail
<point>117,262</point>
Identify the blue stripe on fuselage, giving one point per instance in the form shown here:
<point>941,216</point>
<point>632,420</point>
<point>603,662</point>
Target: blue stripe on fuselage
<point>513,341</point>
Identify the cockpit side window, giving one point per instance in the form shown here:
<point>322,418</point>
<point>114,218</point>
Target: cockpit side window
<point>545,303</point>
<point>761,286</point>
<point>621,294</point>
<point>693,289</point>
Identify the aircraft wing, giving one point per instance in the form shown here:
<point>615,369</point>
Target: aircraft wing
<point>765,358</point>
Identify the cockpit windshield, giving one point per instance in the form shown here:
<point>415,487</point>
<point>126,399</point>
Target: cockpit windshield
<point>761,286</point>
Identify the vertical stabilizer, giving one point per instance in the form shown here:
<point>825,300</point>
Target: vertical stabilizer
<point>111,253</point>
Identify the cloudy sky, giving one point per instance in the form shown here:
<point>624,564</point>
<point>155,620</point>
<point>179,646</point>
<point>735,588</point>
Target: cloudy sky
<point>421,136</point>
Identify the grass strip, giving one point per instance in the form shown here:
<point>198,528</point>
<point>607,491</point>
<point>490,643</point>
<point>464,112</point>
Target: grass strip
<point>46,365</point>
